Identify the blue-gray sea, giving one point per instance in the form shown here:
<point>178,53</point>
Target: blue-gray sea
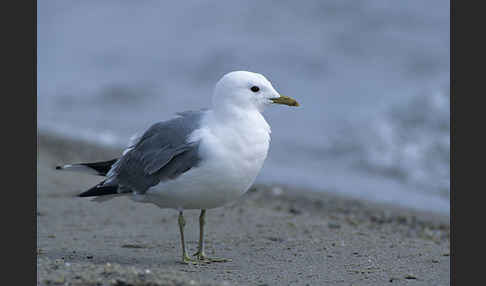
<point>372,78</point>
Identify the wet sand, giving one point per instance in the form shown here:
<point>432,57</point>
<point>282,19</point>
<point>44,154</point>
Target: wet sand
<point>274,235</point>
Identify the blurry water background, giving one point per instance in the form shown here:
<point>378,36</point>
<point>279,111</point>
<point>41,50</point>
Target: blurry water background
<point>372,78</point>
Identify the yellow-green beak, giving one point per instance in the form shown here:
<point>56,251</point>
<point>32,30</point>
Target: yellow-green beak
<point>285,100</point>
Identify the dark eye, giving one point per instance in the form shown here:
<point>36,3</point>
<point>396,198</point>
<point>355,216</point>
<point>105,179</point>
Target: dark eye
<point>255,88</point>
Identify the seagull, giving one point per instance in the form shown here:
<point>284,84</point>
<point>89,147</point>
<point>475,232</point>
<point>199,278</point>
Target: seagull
<point>198,160</point>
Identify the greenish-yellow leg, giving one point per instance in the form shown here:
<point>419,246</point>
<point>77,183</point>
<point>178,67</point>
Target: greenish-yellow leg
<point>200,255</point>
<point>185,258</point>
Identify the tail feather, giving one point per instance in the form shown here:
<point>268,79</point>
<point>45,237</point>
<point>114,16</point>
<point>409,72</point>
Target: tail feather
<point>100,190</point>
<point>96,168</point>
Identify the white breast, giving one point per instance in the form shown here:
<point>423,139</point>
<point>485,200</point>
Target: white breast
<point>232,155</point>
<point>238,149</point>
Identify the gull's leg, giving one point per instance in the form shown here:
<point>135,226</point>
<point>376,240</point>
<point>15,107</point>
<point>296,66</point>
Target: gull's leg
<point>200,249</point>
<point>185,258</point>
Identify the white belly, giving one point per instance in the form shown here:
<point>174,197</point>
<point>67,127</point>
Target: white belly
<point>201,188</point>
<point>230,163</point>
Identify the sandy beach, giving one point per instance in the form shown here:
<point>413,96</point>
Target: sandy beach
<point>274,235</point>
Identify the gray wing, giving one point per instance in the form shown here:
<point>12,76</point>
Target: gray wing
<point>161,153</point>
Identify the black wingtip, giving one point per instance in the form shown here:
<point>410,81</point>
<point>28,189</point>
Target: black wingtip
<point>58,167</point>
<point>99,190</point>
